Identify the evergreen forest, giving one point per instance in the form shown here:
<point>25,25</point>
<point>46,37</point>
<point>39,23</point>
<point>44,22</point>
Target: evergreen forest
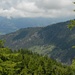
<point>24,62</point>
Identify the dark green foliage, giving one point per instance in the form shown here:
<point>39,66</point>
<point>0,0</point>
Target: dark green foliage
<point>1,43</point>
<point>24,62</point>
<point>71,25</point>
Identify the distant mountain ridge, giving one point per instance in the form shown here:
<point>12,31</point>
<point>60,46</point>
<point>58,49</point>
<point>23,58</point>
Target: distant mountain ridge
<point>55,40</point>
<point>13,24</point>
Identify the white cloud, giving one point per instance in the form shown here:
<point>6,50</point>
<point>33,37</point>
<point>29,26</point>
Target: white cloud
<point>36,8</point>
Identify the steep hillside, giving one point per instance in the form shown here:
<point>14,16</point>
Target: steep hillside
<point>55,40</point>
<point>23,38</point>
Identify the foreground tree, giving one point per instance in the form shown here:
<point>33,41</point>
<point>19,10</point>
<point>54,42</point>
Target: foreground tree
<point>72,23</point>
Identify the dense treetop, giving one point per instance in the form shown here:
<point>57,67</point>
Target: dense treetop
<point>24,62</point>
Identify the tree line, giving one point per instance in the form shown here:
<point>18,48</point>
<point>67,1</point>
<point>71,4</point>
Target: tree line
<point>24,62</point>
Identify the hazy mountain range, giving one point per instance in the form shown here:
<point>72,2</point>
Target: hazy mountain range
<point>8,25</point>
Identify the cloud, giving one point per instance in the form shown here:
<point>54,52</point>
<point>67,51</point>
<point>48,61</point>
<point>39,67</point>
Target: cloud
<point>36,8</point>
<point>52,4</point>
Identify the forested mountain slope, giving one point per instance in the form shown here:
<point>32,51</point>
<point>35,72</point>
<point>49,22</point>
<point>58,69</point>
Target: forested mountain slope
<point>55,40</point>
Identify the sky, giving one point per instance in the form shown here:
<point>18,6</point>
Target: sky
<point>37,8</point>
